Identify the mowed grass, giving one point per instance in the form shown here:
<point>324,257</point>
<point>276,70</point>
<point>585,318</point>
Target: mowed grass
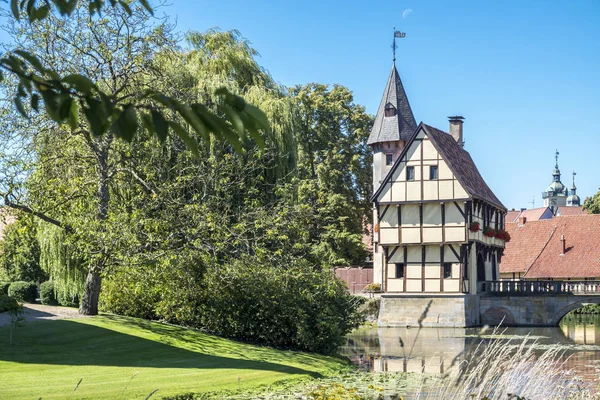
<point>114,357</point>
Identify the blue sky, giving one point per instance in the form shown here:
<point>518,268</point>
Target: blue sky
<point>523,74</point>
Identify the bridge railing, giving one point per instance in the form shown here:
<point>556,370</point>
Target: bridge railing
<point>530,288</point>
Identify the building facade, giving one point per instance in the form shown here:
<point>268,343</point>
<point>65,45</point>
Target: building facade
<point>431,206</point>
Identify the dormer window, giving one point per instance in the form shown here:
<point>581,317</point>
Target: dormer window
<point>390,110</point>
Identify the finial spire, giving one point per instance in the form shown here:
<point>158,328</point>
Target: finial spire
<point>556,157</point>
<point>397,34</point>
<point>574,173</point>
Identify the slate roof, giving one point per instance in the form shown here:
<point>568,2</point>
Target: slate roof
<point>402,125</point>
<point>526,243</point>
<point>582,256</point>
<point>461,164</point>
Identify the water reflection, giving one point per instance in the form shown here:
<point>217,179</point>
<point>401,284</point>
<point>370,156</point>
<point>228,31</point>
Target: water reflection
<point>434,350</point>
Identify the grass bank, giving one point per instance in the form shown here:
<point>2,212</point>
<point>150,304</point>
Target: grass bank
<point>114,357</point>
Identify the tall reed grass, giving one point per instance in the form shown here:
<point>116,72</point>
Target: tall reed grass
<point>506,369</point>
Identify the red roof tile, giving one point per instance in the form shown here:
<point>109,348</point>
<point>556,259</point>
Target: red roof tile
<point>511,216</point>
<point>571,210</point>
<point>582,256</point>
<point>536,214</point>
<point>527,242</point>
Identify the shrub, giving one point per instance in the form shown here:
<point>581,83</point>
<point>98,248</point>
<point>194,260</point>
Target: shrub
<point>20,251</point>
<point>293,307</point>
<point>64,299</point>
<point>47,295</point>
<point>23,291</point>
<point>4,288</point>
<point>7,303</point>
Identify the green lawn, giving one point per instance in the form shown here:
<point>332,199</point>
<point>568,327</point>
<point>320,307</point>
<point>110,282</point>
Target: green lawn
<point>126,358</point>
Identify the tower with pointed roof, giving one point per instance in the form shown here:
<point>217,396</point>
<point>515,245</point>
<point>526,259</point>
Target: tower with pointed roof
<point>556,194</point>
<point>393,127</point>
<point>573,199</point>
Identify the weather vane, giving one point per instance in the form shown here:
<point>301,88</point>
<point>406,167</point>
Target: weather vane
<point>397,34</point>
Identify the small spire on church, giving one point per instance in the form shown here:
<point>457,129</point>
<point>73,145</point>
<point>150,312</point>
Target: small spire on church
<point>573,188</point>
<point>556,157</point>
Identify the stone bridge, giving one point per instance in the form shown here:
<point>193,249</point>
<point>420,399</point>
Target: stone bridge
<point>533,303</point>
<point>512,303</point>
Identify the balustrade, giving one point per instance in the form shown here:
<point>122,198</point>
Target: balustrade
<point>530,288</point>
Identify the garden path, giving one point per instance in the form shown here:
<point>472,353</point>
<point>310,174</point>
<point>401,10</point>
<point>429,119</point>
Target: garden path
<point>38,312</point>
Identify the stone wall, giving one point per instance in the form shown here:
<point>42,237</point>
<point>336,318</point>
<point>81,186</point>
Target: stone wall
<point>456,311</point>
<point>539,310</point>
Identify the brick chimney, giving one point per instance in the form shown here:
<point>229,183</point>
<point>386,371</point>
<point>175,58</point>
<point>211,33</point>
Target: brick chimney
<point>522,221</point>
<point>564,245</point>
<point>456,129</point>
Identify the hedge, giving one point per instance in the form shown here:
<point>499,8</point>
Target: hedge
<point>7,303</point>
<point>47,295</point>
<point>23,291</point>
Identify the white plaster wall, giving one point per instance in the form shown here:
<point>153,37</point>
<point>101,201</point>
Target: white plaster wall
<point>390,218</point>
<point>395,285</point>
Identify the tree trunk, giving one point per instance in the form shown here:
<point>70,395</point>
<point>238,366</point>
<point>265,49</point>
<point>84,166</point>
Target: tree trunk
<point>91,294</point>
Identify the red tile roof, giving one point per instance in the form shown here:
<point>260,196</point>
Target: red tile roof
<point>582,256</point>
<point>527,242</point>
<point>535,214</point>
<point>511,216</point>
<point>571,210</point>
<point>536,247</point>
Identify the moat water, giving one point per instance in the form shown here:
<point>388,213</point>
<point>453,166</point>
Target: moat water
<point>432,350</point>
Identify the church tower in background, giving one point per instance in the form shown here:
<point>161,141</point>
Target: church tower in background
<point>573,199</point>
<point>556,194</point>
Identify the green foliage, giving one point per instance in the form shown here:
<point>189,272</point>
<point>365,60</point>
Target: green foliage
<point>4,288</point>
<point>7,303</point>
<point>20,251</point>
<point>294,307</point>
<point>587,309</point>
<point>160,226</point>
<point>334,168</point>
<point>23,291</point>
<point>592,204</point>
<point>334,391</point>
<point>291,306</point>
<point>58,258</point>
<point>65,95</point>
<point>47,295</point>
